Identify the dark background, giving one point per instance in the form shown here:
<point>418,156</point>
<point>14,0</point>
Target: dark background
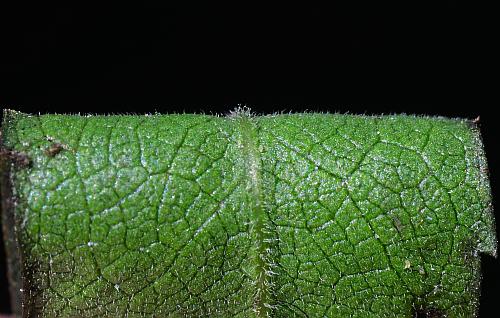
<point>434,59</point>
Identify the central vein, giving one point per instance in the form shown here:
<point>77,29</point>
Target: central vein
<point>260,230</point>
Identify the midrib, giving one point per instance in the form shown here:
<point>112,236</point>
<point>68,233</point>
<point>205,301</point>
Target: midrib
<point>259,231</point>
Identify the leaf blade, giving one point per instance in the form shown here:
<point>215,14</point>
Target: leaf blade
<point>161,214</point>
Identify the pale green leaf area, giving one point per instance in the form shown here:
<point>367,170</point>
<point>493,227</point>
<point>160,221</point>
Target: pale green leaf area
<point>298,215</point>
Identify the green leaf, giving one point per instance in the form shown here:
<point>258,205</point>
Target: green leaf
<point>306,215</point>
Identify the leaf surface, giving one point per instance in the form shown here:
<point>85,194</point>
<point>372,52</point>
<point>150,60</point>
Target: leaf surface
<point>301,215</point>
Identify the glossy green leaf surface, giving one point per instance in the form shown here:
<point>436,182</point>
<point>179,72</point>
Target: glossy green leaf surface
<point>300,215</point>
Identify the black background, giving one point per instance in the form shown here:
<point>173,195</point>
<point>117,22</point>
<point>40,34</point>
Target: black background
<point>433,59</point>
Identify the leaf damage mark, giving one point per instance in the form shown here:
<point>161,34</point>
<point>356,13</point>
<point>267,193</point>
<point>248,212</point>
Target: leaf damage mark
<point>54,149</point>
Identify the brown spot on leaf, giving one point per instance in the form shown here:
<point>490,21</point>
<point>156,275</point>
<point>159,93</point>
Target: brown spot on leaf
<point>397,223</point>
<point>54,149</point>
